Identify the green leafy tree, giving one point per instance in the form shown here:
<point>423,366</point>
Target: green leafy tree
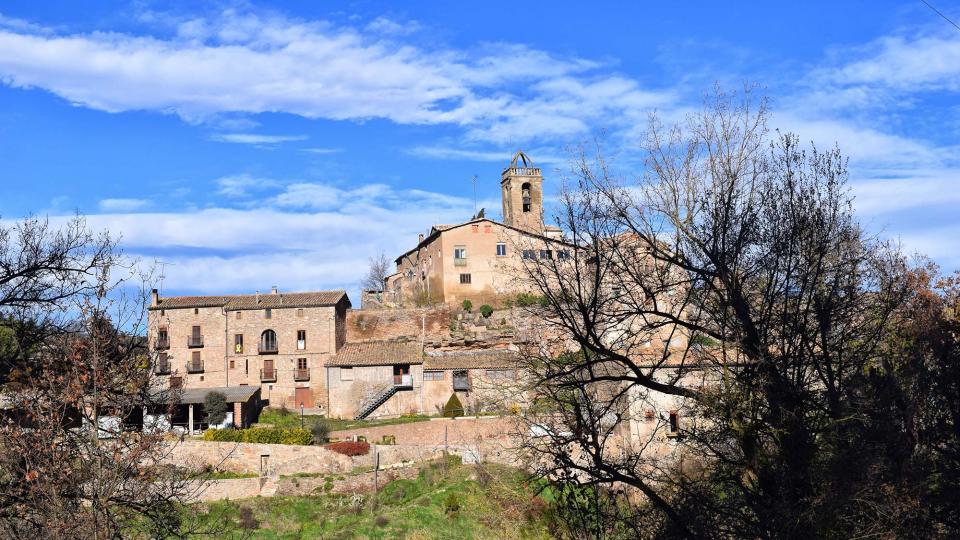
<point>215,405</point>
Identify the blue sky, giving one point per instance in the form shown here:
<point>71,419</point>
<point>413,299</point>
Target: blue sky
<point>258,144</point>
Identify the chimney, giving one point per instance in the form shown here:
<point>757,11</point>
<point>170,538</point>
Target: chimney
<point>258,298</point>
<point>273,290</point>
<point>154,297</point>
<point>420,240</point>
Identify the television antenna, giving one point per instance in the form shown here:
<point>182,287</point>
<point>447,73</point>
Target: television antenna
<point>163,272</point>
<point>474,194</point>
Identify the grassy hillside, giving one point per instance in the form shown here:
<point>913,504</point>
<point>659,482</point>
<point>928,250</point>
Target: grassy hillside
<point>444,501</point>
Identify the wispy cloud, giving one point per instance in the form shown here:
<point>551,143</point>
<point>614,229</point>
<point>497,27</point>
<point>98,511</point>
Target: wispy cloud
<point>241,185</point>
<point>322,150</point>
<point>122,205</point>
<point>257,139</point>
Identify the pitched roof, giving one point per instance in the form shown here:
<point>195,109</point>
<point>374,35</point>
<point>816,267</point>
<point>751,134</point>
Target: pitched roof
<point>377,353</point>
<point>233,394</point>
<point>253,301</point>
<point>437,230</point>
<point>484,359</point>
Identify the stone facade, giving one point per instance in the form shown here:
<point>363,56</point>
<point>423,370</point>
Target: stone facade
<point>224,341</point>
<point>261,459</point>
<point>482,259</point>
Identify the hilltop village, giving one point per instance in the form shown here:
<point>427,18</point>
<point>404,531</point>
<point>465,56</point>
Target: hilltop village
<point>406,351</point>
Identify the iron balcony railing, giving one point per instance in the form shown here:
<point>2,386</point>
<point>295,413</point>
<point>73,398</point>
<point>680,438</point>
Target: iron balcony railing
<point>460,262</point>
<point>195,366</point>
<point>161,343</point>
<point>403,380</point>
<point>267,348</point>
<point>268,375</point>
<point>195,341</point>
<point>461,381</point>
<point>162,368</point>
<point>301,374</point>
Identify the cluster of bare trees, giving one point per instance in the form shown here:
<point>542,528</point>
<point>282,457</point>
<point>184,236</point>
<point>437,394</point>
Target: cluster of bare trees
<point>733,355</point>
<point>75,380</point>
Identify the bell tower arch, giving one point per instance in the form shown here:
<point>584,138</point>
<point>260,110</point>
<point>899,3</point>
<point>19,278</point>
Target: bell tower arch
<point>521,189</point>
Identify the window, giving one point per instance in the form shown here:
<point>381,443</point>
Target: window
<point>487,229</point>
<point>246,366</point>
<point>163,312</point>
<point>196,311</point>
<point>459,255</point>
<point>501,250</point>
<point>500,374</point>
<point>525,194</point>
<point>433,375</point>
<point>529,254</point>
<point>673,429</point>
<point>162,336</point>
<point>475,228</point>
<point>268,313</point>
<point>268,341</point>
<point>238,343</point>
<point>461,380</point>
<point>563,255</point>
<point>232,364</point>
<point>546,254</point>
<point>464,279</point>
<point>346,374</point>
<point>301,363</point>
<point>239,315</point>
<point>300,312</point>
<point>301,340</point>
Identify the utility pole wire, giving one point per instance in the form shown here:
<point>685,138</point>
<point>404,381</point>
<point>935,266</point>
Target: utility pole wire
<point>937,11</point>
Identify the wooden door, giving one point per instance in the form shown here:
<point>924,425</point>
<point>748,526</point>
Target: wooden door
<point>305,396</point>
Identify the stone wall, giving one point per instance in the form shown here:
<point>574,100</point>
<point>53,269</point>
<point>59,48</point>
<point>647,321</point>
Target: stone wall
<point>386,324</point>
<point>440,431</point>
<point>248,457</point>
<point>219,490</point>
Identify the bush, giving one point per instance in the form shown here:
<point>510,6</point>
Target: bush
<point>320,430</point>
<point>451,504</point>
<point>467,305</point>
<point>215,404</point>
<point>453,408</point>
<point>527,299</point>
<point>294,436</point>
<point>247,520</point>
<point>486,310</point>
<point>350,448</point>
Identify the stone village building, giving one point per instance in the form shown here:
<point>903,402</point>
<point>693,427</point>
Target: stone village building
<point>481,259</point>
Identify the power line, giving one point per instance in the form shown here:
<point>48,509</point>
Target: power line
<point>937,11</point>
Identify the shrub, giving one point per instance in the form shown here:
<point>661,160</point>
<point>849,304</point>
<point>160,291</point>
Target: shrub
<point>247,521</point>
<point>320,430</point>
<point>451,504</point>
<point>215,404</point>
<point>486,310</point>
<point>294,436</point>
<point>453,408</point>
<point>350,448</point>
<point>467,305</point>
<point>543,301</point>
<point>527,299</point>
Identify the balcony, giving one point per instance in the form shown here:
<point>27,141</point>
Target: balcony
<point>161,343</point>
<point>195,366</point>
<point>403,380</point>
<point>460,262</point>
<point>268,375</point>
<point>300,375</point>
<point>162,368</point>
<point>267,348</point>
<point>195,342</point>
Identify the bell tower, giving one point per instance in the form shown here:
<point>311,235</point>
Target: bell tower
<point>521,188</point>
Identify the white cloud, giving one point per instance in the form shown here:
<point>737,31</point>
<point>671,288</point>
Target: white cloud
<point>245,63</point>
<point>122,205</point>
<point>253,138</point>
<point>240,185</point>
<point>322,151</point>
<point>897,191</point>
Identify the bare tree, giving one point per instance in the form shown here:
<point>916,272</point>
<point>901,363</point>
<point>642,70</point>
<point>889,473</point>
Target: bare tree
<point>718,317</point>
<point>75,383</point>
<point>377,272</point>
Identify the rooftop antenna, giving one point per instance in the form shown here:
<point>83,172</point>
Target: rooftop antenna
<point>163,272</point>
<point>474,194</point>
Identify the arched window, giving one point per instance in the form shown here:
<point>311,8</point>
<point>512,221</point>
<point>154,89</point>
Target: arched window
<point>525,193</point>
<point>268,341</point>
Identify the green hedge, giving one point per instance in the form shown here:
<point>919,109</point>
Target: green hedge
<point>260,435</point>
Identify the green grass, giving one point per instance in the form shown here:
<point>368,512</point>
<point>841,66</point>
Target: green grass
<point>444,501</point>
<point>291,419</point>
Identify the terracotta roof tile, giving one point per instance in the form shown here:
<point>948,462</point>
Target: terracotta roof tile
<point>250,301</point>
<point>377,353</point>
<point>484,359</point>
